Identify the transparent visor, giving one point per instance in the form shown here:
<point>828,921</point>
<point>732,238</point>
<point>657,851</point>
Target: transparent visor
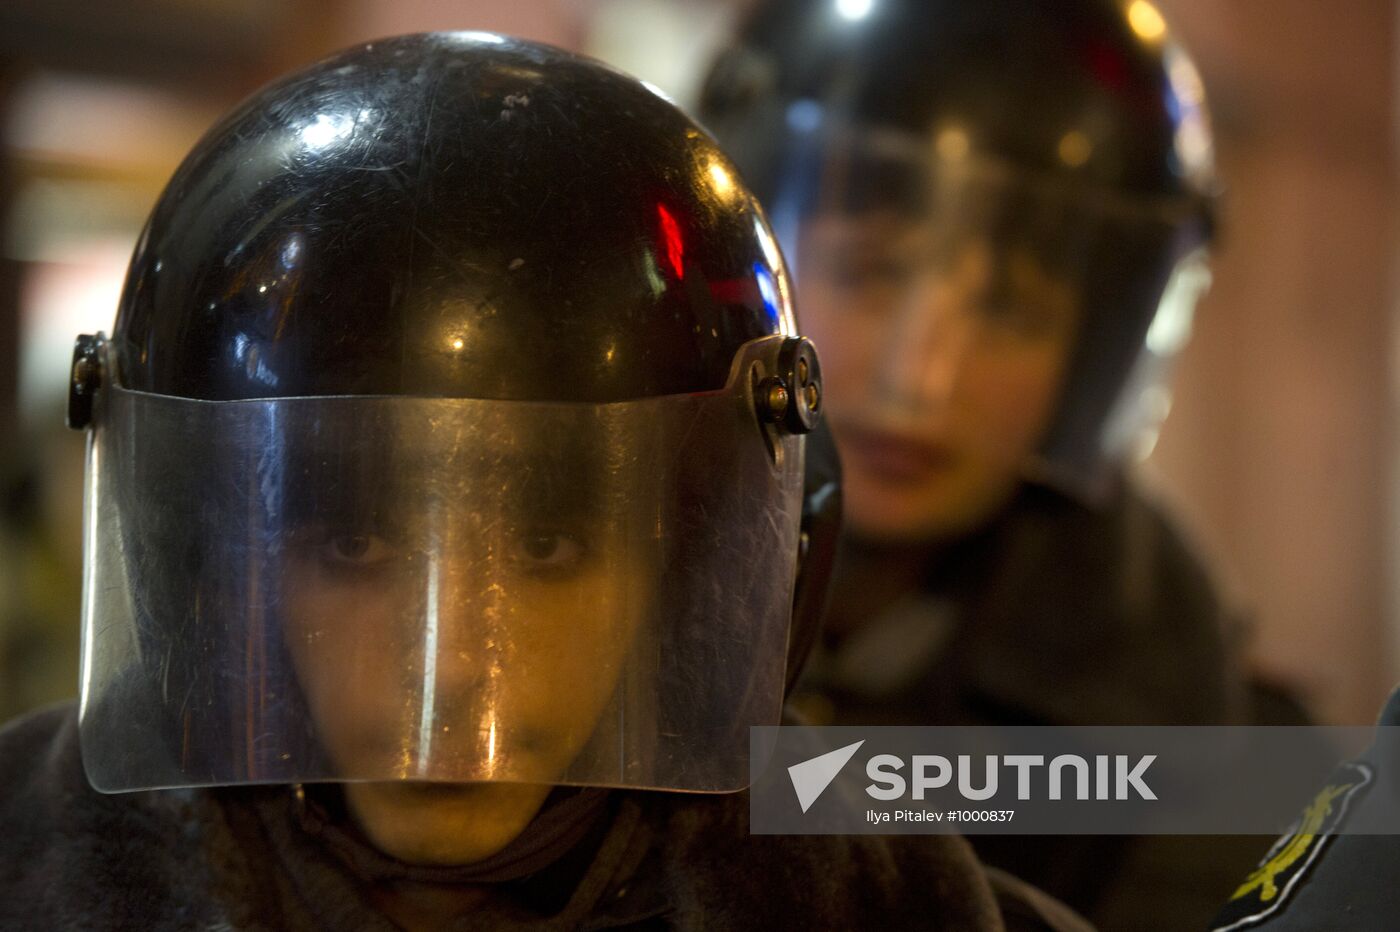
<point>953,268</point>
<point>886,223</point>
<point>392,588</point>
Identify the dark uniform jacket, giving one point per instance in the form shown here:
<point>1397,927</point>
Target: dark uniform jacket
<point>1057,615</point>
<point>246,858</point>
<point>1317,878</point>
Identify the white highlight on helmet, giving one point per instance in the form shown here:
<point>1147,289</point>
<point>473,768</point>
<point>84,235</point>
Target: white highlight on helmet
<point>781,277</point>
<point>1171,327</point>
<point>90,544</point>
<point>723,180</point>
<point>1185,79</point>
<point>658,92</point>
<point>854,9</point>
<point>1192,142</point>
<point>326,130</point>
<point>468,35</point>
<point>1156,405</point>
<point>1132,426</point>
<point>771,255</point>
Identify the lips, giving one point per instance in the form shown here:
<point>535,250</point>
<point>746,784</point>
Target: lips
<point>894,458</point>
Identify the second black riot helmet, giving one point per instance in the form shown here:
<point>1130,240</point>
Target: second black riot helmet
<point>1050,145</point>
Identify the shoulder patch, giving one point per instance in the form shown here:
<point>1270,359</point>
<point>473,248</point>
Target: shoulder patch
<point>1266,890</point>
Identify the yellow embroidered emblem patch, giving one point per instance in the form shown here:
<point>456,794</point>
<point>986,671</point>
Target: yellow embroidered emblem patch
<point>1266,889</point>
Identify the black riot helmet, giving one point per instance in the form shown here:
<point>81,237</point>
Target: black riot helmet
<point>1068,137</point>
<point>452,429</point>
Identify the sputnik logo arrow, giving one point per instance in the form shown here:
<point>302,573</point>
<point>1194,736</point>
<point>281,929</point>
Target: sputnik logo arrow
<point>811,777</point>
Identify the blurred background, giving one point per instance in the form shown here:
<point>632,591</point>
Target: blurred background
<point>1280,450</point>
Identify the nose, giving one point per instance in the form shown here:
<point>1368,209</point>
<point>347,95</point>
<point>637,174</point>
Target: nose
<point>464,633</point>
<point>462,651</point>
<point>926,347</point>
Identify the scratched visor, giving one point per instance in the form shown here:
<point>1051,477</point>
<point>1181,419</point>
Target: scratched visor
<point>402,588</point>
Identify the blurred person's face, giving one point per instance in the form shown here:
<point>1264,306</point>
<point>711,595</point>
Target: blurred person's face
<point>942,364</point>
<point>525,630</point>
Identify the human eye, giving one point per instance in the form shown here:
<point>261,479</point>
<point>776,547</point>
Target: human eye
<point>548,551</point>
<point>1024,312</point>
<point>356,550</point>
<point>347,551</point>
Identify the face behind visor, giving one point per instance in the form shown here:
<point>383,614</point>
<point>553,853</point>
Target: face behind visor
<point>1012,194</point>
<point>437,442</point>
